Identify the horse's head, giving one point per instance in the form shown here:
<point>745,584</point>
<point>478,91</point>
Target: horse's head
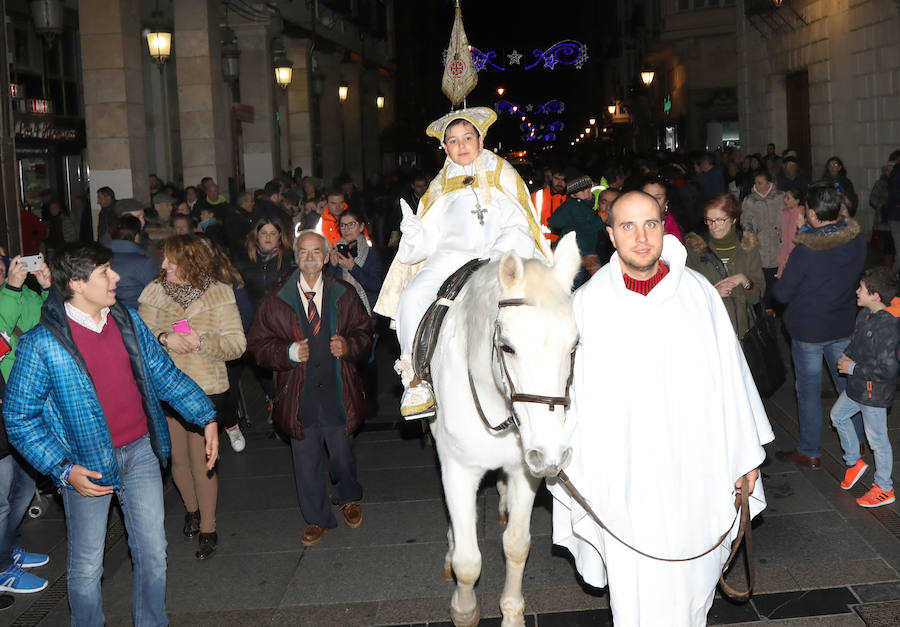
<point>534,342</point>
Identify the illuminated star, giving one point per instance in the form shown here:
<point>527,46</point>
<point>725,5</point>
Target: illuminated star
<point>514,57</point>
<point>529,108</point>
<point>550,61</point>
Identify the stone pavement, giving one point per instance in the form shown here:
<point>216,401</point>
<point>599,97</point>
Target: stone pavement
<point>821,560</point>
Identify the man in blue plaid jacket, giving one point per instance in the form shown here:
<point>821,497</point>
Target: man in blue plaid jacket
<point>82,406</point>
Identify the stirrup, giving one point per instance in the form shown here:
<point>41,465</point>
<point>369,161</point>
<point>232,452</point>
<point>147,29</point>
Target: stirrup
<point>417,401</point>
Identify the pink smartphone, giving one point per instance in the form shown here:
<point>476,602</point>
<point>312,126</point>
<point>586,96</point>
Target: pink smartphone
<point>182,326</point>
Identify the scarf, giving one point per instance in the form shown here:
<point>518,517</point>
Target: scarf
<point>184,293</point>
<point>362,251</point>
<point>726,246</point>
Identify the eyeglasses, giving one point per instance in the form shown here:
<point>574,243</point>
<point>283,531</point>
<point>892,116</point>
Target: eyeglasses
<point>715,221</point>
<point>349,225</point>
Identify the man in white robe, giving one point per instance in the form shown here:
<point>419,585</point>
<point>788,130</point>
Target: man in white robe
<point>476,207</point>
<point>665,421</point>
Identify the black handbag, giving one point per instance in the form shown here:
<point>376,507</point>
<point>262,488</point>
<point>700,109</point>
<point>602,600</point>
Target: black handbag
<point>760,344</point>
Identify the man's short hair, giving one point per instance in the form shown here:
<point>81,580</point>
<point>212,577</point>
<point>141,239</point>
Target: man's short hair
<point>205,180</point>
<point>326,245</point>
<point>706,157</point>
<point>243,197</point>
<point>272,187</point>
<point>107,191</point>
<point>76,262</point>
<point>610,213</point>
<point>333,192</point>
<point>881,280</point>
<point>125,227</point>
<point>825,201</point>
<point>895,156</point>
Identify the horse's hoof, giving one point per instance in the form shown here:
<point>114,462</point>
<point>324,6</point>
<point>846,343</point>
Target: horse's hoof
<point>469,619</point>
<point>503,519</point>
<point>448,571</point>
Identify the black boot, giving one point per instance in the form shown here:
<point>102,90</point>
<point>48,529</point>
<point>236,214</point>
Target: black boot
<point>207,545</point>
<point>191,524</point>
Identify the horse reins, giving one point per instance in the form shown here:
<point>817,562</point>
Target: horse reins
<point>498,352</point>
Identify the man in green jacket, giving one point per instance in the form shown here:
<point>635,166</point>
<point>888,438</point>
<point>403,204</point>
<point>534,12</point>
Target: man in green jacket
<point>577,214</point>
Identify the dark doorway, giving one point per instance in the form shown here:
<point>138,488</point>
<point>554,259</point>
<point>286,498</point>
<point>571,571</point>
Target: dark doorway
<point>797,87</point>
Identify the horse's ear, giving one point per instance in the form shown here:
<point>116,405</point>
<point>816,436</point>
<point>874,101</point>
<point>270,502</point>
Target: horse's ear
<point>566,260</point>
<point>511,271</point>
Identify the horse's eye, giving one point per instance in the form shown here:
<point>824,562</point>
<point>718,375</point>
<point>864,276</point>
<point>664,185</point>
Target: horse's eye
<point>506,348</point>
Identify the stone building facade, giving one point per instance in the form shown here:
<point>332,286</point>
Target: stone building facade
<point>822,76</point>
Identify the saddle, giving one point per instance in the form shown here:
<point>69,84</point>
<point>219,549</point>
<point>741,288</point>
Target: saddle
<point>430,326</point>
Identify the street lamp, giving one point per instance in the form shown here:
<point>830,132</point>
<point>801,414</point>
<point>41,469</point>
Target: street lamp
<point>379,101</point>
<point>500,91</point>
<point>592,121</point>
<point>647,77</point>
<point>343,91</point>
<point>612,109</point>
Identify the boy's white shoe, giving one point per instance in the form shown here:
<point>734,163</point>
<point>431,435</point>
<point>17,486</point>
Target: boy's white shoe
<point>417,401</point>
<point>238,443</point>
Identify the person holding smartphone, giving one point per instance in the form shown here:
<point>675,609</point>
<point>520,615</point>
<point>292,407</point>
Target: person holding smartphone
<point>19,307</point>
<point>354,260</point>
<point>195,317</point>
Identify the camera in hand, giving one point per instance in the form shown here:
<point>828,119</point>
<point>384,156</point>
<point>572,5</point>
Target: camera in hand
<point>348,249</point>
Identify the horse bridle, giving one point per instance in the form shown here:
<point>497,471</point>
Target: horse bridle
<point>498,353</point>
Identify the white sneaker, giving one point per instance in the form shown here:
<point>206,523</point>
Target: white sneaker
<point>238,443</point>
<point>417,402</point>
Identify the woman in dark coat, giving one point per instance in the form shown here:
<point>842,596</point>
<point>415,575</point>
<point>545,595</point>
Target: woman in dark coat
<point>835,175</point>
<point>361,266</point>
<point>268,258</point>
<point>729,260</point>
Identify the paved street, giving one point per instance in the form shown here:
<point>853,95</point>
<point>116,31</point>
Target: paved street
<point>821,560</point>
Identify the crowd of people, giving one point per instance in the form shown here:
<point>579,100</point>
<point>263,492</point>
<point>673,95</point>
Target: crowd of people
<point>172,300</point>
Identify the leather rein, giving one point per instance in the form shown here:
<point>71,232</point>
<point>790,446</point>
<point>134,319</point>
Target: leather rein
<point>498,352</point>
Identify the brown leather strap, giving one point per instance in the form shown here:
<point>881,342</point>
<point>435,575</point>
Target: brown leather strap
<point>742,506</point>
<point>745,533</point>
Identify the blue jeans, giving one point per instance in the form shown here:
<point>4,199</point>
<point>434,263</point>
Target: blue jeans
<point>875,422</point>
<point>16,492</point>
<point>807,358</point>
<point>141,499</point>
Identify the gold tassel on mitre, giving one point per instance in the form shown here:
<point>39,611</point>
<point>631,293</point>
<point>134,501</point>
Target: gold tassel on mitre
<point>460,76</point>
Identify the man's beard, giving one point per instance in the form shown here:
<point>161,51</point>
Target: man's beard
<point>557,190</point>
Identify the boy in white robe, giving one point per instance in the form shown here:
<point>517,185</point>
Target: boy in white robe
<point>476,207</point>
<point>662,438</point>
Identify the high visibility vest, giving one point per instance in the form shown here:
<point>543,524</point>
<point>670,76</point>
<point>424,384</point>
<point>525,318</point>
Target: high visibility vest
<point>329,227</point>
<point>546,203</point>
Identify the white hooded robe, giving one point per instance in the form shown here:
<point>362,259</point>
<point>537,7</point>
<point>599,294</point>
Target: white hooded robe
<point>665,418</point>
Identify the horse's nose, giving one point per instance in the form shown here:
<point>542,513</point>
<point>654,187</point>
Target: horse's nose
<point>542,465</point>
<point>535,460</point>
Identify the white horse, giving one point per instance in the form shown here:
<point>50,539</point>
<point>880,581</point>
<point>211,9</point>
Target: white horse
<point>510,335</point>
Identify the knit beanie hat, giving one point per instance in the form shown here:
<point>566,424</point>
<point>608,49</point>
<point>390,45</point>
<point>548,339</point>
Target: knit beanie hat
<point>578,183</point>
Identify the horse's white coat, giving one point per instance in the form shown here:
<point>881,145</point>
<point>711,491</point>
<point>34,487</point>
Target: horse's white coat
<point>542,334</point>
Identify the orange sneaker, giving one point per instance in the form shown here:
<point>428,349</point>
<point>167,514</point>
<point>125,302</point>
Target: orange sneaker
<point>854,473</point>
<point>876,497</point>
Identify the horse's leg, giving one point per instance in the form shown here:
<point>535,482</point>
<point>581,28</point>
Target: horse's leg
<point>516,543</point>
<point>460,488</point>
<point>448,566</point>
<point>502,509</point>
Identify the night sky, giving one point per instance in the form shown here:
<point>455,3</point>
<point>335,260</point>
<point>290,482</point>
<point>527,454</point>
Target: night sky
<point>423,32</point>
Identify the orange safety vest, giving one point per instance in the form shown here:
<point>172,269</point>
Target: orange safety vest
<point>329,227</point>
<point>546,203</point>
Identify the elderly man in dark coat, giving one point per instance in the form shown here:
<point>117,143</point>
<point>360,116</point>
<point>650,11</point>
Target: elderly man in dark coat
<point>311,331</point>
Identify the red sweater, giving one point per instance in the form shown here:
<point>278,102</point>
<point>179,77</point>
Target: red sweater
<point>110,368</point>
<point>643,287</point>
